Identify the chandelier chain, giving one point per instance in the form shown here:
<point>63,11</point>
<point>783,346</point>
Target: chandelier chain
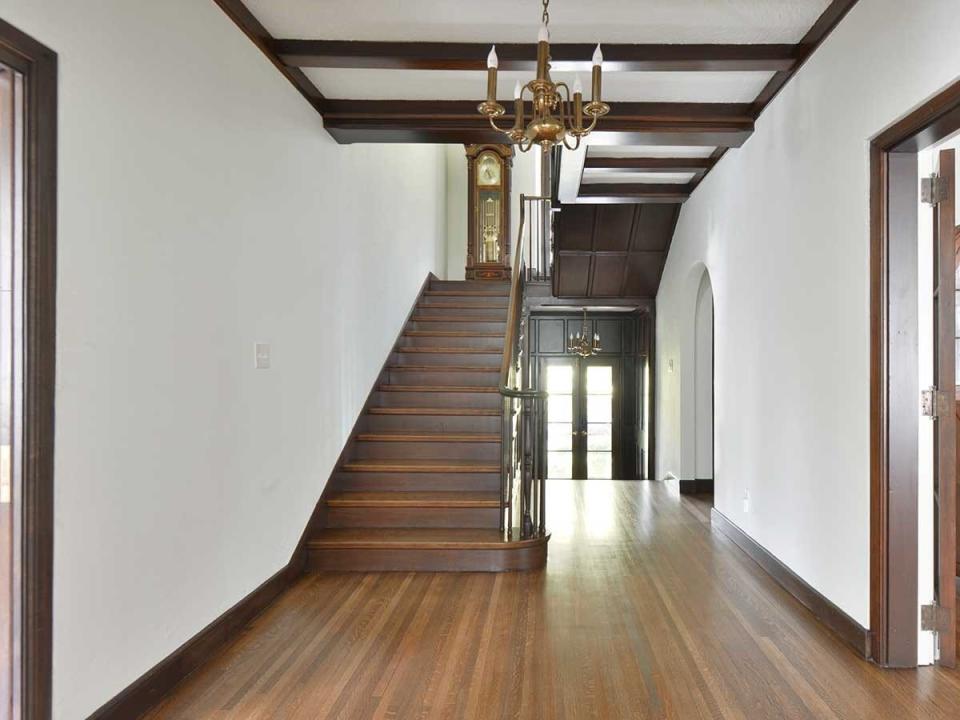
<point>546,12</point>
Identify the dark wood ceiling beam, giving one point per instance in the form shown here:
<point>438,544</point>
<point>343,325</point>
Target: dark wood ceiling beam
<point>522,56</point>
<point>455,121</point>
<point>253,29</point>
<point>648,164</point>
<point>634,193</point>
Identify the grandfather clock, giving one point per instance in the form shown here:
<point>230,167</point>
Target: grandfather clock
<point>488,211</point>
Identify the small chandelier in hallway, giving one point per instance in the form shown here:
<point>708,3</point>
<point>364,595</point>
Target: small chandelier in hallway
<point>583,343</point>
<point>546,128</point>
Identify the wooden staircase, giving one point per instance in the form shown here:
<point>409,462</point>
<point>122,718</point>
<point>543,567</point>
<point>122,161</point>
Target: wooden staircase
<point>418,487</point>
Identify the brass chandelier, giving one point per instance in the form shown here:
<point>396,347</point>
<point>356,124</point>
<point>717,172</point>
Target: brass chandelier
<point>555,116</point>
<point>583,343</point>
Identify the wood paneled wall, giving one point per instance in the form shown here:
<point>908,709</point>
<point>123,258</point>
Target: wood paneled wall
<point>627,337</point>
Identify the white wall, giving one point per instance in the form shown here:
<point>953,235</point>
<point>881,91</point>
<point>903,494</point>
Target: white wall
<point>783,226</point>
<point>203,208</point>
<point>703,392</point>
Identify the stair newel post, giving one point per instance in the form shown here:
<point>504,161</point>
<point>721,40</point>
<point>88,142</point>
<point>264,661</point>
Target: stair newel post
<point>541,474</point>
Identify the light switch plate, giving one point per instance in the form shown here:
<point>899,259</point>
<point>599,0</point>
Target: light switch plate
<point>261,356</point>
<point>746,501</point>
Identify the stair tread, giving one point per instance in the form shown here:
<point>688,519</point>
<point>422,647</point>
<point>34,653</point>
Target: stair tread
<point>429,437</point>
<point>451,350</point>
<point>459,319</point>
<point>432,411</point>
<point>453,333</point>
<point>505,292</point>
<point>413,466</point>
<point>439,388</point>
<point>414,538</point>
<point>439,499</point>
<point>445,368</point>
<point>462,306</point>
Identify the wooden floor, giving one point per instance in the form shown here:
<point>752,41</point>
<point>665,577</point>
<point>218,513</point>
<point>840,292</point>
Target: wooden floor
<point>642,612</point>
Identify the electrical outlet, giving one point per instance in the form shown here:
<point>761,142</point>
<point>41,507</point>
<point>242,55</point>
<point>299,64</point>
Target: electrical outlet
<point>261,356</point>
<point>746,501</point>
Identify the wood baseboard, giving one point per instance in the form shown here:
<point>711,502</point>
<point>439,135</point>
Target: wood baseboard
<point>844,626</point>
<point>699,486</point>
<point>152,686</point>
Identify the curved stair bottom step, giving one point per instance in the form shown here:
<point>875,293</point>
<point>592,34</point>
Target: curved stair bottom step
<point>422,550</point>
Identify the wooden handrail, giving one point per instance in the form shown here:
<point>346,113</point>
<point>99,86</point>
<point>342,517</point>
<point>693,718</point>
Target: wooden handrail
<point>515,308</point>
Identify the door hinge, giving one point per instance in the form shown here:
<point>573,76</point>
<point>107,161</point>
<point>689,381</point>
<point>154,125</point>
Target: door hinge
<point>934,618</point>
<point>933,403</point>
<point>934,190</point>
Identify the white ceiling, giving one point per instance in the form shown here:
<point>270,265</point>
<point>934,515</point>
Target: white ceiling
<point>596,175</point>
<point>620,21</point>
<point>722,87</point>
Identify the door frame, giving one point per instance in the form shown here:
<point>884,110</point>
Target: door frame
<point>38,65</point>
<point>894,383</point>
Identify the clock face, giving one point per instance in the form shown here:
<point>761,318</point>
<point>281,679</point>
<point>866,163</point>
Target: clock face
<point>488,170</point>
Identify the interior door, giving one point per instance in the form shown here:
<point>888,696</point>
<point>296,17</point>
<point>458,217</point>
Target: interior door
<point>945,440</point>
<point>561,376</point>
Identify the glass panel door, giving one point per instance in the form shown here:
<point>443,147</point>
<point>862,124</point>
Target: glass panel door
<point>582,417</point>
<point>599,419</point>
<point>560,378</point>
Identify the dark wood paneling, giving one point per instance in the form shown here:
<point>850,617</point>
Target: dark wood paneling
<point>564,57</point>
<point>624,336</point>
<point>654,229</point>
<point>846,628</point>
<point>572,274</point>
<point>607,277</point>
<point>614,227</point>
<point>34,379</point>
<point>626,245</point>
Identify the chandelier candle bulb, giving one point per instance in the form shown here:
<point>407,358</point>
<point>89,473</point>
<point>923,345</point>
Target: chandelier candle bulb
<point>597,67</point>
<point>492,63</point>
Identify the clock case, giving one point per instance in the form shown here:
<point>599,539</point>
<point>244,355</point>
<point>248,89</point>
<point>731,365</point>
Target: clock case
<point>478,267</point>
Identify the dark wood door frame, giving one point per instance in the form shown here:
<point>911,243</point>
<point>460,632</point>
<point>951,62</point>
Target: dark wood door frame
<point>894,382</point>
<point>38,65</point>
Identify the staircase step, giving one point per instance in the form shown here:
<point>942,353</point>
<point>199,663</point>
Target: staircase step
<point>416,499</point>
<point>419,466</point>
<point>505,292</point>
<point>471,398</point>
<point>485,285</point>
<point>463,307</point>
<point>460,340</point>
<point>483,447</point>
<point>421,549</point>
<point>447,356</point>
<point>414,482</point>
<point>442,375</point>
<point>413,509</point>
<point>430,437</point>
<point>439,389</point>
<point>434,411</point>
<point>463,324</point>
<point>430,420</point>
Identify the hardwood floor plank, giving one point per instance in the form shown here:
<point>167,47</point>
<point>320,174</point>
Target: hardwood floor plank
<point>642,613</point>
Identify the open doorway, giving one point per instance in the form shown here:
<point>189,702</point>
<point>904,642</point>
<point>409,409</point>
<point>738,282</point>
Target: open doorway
<point>913,392</point>
<point>28,170</point>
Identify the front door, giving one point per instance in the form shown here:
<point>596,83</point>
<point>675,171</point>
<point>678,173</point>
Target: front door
<point>583,417</point>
